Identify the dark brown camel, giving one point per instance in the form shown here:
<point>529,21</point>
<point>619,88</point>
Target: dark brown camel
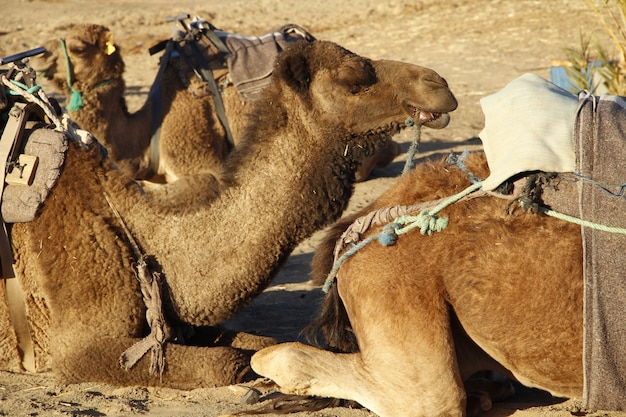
<point>192,139</point>
<point>292,174</point>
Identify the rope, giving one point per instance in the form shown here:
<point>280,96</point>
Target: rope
<point>417,129</point>
<point>151,287</point>
<point>459,161</point>
<point>426,220</point>
<point>580,222</point>
<point>76,99</point>
<point>37,96</point>
<point>31,90</point>
<point>34,95</point>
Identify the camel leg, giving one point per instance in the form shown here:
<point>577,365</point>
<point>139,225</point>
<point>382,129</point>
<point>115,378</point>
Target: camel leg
<point>187,367</point>
<point>427,385</point>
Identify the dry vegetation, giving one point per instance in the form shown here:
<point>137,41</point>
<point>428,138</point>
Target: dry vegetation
<point>593,66</point>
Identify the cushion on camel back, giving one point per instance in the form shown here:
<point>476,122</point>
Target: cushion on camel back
<point>44,150</point>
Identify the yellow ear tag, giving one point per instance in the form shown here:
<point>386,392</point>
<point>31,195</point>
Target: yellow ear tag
<point>110,48</point>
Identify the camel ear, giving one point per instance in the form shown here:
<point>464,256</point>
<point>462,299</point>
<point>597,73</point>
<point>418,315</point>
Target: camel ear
<point>294,69</point>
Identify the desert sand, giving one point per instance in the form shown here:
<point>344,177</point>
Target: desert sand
<point>477,45</point>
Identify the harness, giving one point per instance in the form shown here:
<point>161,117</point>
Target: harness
<point>76,98</point>
<point>185,45</point>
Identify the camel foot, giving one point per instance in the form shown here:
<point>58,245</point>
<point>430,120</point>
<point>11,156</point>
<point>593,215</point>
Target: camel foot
<point>483,392</point>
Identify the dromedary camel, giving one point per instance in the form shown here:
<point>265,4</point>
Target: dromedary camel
<point>192,139</point>
<point>291,175</point>
<point>429,311</point>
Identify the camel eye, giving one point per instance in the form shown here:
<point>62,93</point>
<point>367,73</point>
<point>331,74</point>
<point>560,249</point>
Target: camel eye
<point>78,48</point>
<point>358,76</point>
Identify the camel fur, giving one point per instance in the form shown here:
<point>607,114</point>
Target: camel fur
<point>292,174</point>
<point>193,141</point>
<point>499,289</point>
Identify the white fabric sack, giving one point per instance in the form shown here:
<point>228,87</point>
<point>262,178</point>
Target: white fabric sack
<point>529,126</point>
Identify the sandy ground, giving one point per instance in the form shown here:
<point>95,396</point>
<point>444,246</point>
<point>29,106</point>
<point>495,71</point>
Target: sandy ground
<point>477,45</point>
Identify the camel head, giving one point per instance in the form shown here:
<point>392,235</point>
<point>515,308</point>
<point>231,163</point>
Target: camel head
<point>93,58</point>
<point>366,95</point>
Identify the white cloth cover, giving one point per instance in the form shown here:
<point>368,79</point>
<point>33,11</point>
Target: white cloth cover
<point>529,126</point>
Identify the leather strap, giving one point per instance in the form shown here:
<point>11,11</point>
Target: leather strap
<point>155,95</point>
<point>19,320</point>
<point>10,143</point>
<point>207,75</point>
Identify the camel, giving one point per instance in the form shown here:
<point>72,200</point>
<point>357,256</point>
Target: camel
<point>291,175</point>
<point>192,139</point>
<point>418,318</point>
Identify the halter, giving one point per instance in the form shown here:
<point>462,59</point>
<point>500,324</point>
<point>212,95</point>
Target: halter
<point>76,98</point>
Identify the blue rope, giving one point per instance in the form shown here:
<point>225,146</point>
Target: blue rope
<point>459,161</point>
<point>621,189</point>
<point>410,122</point>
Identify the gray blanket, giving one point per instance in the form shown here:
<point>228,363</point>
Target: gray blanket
<point>600,141</point>
<point>251,62</point>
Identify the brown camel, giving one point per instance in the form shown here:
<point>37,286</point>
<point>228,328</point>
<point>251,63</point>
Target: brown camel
<point>192,139</point>
<point>429,311</point>
<point>292,174</point>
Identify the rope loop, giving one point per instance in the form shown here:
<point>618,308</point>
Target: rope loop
<point>31,90</point>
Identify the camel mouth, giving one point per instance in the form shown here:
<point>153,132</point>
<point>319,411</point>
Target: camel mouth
<point>434,120</point>
<point>426,116</point>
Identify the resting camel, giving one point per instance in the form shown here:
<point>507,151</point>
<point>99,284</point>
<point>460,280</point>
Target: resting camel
<point>192,139</point>
<point>429,311</point>
<point>292,174</point>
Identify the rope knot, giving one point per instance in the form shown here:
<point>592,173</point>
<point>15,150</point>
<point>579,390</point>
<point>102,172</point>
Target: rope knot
<point>76,100</point>
<point>430,223</point>
<point>389,235</point>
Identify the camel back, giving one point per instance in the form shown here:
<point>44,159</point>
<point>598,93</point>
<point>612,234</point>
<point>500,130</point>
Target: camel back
<point>249,59</point>
<point>251,62</point>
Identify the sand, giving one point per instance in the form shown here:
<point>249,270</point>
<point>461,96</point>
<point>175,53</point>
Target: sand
<point>477,45</point>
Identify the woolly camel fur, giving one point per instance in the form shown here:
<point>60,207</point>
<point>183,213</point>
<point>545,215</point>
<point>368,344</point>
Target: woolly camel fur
<point>193,141</point>
<point>292,174</point>
<point>492,291</point>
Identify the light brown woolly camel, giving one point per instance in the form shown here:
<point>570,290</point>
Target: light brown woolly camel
<point>192,139</point>
<point>494,290</point>
<point>291,175</point>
